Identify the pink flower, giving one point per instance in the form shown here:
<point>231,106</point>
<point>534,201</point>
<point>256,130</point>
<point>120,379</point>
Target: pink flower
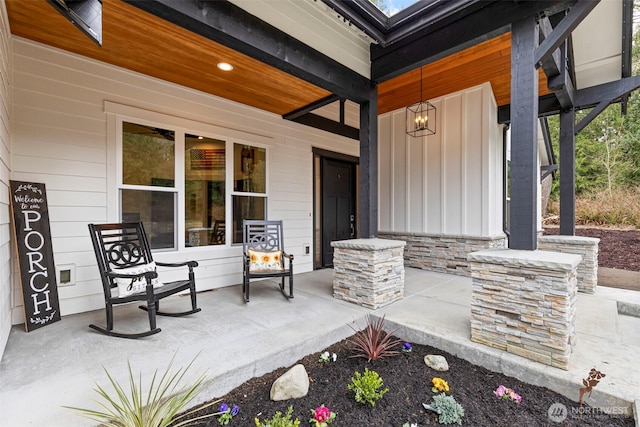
<point>508,394</point>
<point>322,414</point>
<point>500,391</point>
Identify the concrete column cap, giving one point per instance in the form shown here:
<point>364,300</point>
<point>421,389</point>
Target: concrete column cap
<point>520,258</point>
<point>373,244</point>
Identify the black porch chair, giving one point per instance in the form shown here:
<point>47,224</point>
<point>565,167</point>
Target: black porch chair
<point>125,262</point>
<point>264,255</point>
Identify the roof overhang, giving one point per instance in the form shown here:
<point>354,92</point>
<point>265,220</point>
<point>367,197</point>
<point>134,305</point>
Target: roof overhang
<point>279,72</point>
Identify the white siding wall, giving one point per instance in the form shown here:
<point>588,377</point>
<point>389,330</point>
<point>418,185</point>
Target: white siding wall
<point>60,138</point>
<point>447,183</point>
<point>318,26</point>
<point>5,167</point>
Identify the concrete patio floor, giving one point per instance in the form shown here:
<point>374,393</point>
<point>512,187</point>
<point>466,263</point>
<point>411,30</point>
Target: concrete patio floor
<point>233,341</point>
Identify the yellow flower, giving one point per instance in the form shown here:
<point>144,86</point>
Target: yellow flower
<point>439,385</point>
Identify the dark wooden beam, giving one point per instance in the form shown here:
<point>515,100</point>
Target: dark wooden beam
<point>567,173</point>
<point>524,129</point>
<point>561,84</point>
<point>310,107</point>
<point>612,91</point>
<point>583,98</point>
<point>627,46</point>
<point>595,112</point>
<point>561,31</point>
<point>601,96</point>
<point>548,146</point>
<point>551,64</point>
<point>547,105</point>
<point>547,170</point>
<point>225,23</point>
<point>368,187</point>
<point>328,125</point>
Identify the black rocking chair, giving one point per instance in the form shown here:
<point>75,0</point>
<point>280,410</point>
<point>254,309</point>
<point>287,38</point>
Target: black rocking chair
<point>125,262</point>
<point>263,255</point>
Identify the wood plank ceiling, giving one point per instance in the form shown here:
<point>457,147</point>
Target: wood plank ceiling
<point>138,41</point>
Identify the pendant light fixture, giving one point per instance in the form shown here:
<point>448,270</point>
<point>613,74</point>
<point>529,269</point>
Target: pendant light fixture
<point>421,117</point>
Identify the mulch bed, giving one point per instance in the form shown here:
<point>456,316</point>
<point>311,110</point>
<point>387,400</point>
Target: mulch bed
<point>409,379</point>
<point>617,248</point>
<point>409,383</point>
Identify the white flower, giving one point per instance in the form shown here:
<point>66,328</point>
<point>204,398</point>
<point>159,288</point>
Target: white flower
<point>334,357</point>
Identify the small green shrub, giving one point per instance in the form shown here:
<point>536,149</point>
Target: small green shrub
<point>449,411</point>
<point>367,387</point>
<point>279,420</point>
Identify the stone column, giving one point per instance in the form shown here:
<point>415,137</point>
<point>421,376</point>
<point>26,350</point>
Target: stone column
<point>368,272</point>
<point>586,247</point>
<point>524,302</point>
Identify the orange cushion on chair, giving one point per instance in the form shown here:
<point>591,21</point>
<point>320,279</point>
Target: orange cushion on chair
<point>264,260</point>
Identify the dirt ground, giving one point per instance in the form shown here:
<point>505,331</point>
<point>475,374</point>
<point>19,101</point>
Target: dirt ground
<point>617,248</point>
<point>409,381</point>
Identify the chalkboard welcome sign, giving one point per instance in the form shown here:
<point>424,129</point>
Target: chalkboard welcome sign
<point>35,253</point>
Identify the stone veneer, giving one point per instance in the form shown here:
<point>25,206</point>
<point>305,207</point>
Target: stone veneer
<point>368,272</point>
<point>524,302</point>
<point>443,253</point>
<point>586,247</point>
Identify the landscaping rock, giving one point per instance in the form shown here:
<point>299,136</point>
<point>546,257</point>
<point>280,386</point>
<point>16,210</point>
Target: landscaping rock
<point>439,363</point>
<point>293,384</point>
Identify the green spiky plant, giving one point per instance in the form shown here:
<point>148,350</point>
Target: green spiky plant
<point>373,342</point>
<point>449,411</point>
<point>160,407</point>
<point>279,420</point>
<point>367,387</point>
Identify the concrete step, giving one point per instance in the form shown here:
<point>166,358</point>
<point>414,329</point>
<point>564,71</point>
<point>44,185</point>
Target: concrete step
<point>617,278</point>
<point>628,309</point>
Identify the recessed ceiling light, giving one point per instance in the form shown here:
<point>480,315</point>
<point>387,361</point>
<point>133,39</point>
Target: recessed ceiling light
<point>224,66</point>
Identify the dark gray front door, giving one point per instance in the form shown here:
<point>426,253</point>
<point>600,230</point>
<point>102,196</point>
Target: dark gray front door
<point>338,205</point>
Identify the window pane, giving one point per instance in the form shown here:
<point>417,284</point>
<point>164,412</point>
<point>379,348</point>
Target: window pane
<point>249,170</point>
<point>156,210</point>
<point>246,208</point>
<point>148,156</point>
<point>204,191</point>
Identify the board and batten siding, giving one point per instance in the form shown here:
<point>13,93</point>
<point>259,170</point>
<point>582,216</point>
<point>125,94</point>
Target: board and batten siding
<point>60,129</point>
<point>6,247</point>
<point>447,183</point>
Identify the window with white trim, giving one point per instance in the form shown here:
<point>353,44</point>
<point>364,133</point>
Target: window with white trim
<point>188,188</point>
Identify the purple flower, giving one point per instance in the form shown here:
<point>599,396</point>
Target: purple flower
<point>224,407</point>
<point>406,347</point>
<point>235,410</point>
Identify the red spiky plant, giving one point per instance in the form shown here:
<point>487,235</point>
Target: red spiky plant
<point>373,342</point>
